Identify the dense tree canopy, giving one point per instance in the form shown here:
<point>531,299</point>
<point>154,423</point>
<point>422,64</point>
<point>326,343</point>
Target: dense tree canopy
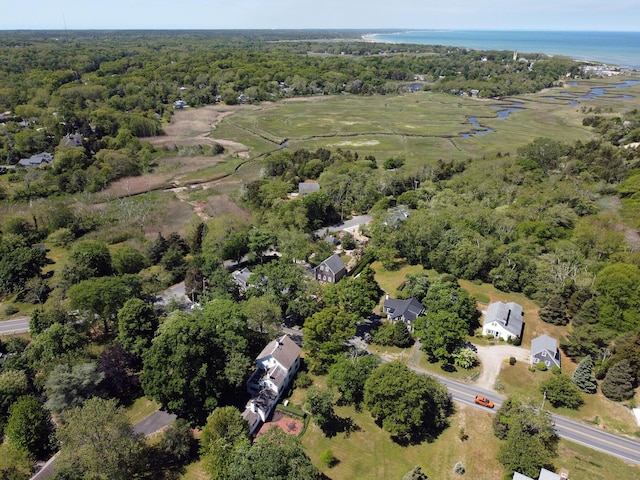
<point>324,335</point>
<point>409,406</point>
<point>97,441</point>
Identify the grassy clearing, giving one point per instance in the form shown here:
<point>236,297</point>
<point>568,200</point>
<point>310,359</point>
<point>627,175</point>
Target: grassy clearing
<point>584,463</point>
<point>141,409</point>
<point>369,452</point>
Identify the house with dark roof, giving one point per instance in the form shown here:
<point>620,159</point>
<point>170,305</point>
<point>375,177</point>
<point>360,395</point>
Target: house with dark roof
<point>71,140</point>
<point>37,160</point>
<point>503,320</point>
<point>404,310</point>
<point>276,366</point>
<point>545,349</point>
<point>331,270</point>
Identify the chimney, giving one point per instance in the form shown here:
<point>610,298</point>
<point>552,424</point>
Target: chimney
<point>506,320</point>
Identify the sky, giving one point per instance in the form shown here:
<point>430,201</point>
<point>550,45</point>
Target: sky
<point>586,15</point>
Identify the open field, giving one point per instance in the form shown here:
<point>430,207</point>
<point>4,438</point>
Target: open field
<point>422,127</point>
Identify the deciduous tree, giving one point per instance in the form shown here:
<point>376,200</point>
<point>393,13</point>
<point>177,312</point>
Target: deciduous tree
<point>409,406</point>
<point>30,428</point>
<point>97,441</point>
<point>562,392</point>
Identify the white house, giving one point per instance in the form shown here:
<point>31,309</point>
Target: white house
<point>276,366</point>
<point>503,320</point>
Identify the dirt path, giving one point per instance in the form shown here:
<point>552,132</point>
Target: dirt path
<point>492,358</point>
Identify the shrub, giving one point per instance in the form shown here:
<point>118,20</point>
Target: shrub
<point>556,370</point>
<point>328,458</point>
<point>512,360</point>
<point>62,237</point>
<point>517,342</point>
<point>303,380</point>
<point>10,309</point>
<point>541,366</point>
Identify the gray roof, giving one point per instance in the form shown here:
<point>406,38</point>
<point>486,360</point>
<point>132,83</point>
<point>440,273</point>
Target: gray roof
<point>548,475</point>
<point>35,160</point>
<point>241,277</point>
<point>283,349</point>
<point>409,309</point>
<point>308,187</point>
<point>519,476</point>
<point>509,315</point>
<point>542,343</point>
<point>72,140</point>
<point>334,263</point>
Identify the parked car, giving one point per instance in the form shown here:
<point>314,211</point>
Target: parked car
<point>484,401</point>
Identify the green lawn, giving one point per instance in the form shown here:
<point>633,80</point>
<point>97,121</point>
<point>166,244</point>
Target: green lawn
<point>141,408</point>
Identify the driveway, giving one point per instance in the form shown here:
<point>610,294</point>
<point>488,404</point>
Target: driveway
<point>492,358</point>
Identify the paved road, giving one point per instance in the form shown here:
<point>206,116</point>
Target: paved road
<point>15,325</point>
<point>624,448</point>
<point>348,225</point>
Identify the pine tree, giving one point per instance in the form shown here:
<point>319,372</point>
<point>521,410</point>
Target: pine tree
<point>401,335</point>
<point>555,311</point>
<point>618,384</point>
<point>583,376</point>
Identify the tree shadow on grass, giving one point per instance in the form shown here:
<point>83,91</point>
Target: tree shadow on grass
<point>340,425</point>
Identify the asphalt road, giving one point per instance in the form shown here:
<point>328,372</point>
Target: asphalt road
<point>624,448</point>
<point>13,326</point>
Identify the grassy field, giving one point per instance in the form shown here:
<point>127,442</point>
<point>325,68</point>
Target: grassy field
<point>369,452</point>
<point>422,126</point>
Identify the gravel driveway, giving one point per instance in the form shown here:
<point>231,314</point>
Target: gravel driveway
<point>492,358</point>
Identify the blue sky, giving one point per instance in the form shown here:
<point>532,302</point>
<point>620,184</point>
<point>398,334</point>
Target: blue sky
<point>614,15</point>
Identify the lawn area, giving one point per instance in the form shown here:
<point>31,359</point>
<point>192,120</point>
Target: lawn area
<point>391,280</point>
<point>369,452</point>
<point>614,416</point>
<point>140,409</point>
<point>585,463</point>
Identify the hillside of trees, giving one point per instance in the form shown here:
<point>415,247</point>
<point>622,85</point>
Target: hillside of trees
<point>538,220</point>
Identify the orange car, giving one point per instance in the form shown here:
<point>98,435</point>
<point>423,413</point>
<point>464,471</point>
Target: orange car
<point>484,401</point>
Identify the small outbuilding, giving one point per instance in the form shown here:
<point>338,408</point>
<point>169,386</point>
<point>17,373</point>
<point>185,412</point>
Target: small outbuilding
<point>545,349</point>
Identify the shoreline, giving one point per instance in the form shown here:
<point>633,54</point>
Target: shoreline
<point>619,68</point>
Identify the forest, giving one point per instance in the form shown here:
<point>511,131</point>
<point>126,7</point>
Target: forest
<point>554,220</point>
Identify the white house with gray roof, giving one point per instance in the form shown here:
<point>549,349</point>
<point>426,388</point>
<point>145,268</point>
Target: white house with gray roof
<point>503,320</point>
<point>545,349</point>
<point>331,270</point>
<point>276,365</point>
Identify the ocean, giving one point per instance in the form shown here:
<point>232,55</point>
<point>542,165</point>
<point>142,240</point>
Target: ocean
<point>614,48</point>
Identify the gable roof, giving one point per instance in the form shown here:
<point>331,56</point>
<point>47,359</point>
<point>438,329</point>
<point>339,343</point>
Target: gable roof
<point>241,277</point>
<point>508,315</point>
<point>283,349</point>
<point>409,309</point>
<point>71,140</point>
<point>542,343</point>
<point>334,263</point>
<point>519,476</point>
<point>34,160</point>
